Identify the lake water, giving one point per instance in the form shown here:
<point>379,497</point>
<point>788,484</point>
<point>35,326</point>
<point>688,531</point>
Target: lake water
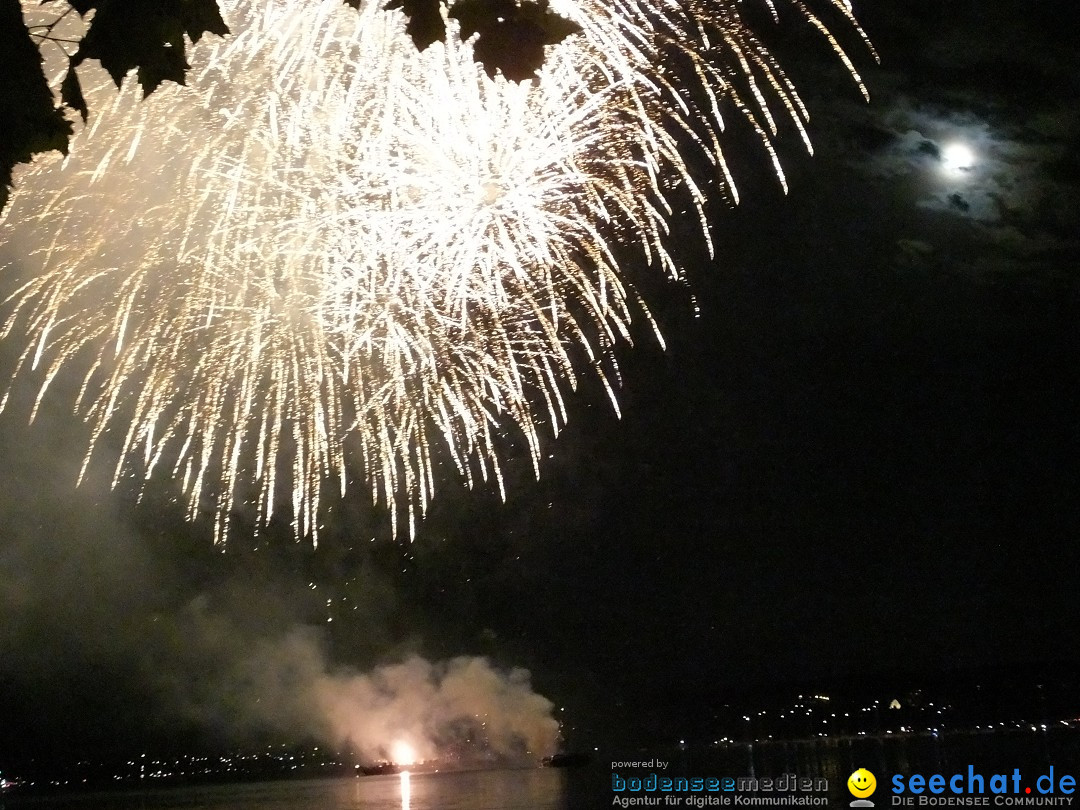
<point>590,788</point>
<point>533,789</point>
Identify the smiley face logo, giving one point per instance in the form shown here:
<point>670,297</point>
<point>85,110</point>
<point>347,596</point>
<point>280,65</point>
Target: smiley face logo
<point>861,783</point>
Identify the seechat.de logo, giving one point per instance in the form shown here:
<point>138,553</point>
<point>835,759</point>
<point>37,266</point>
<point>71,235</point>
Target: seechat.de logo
<point>862,785</point>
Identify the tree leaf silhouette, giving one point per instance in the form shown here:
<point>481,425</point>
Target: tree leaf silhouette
<point>147,35</point>
<point>71,93</point>
<point>425,21</point>
<point>512,36</point>
<point>30,121</point>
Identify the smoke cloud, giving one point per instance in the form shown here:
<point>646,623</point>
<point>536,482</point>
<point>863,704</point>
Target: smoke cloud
<point>462,709</point>
<point>121,632</point>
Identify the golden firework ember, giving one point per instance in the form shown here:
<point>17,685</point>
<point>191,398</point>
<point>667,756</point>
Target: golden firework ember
<point>336,258</point>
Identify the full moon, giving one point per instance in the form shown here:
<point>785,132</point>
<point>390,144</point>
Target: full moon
<point>957,157</point>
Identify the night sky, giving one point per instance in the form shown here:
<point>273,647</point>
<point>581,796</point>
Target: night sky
<point>860,454</point>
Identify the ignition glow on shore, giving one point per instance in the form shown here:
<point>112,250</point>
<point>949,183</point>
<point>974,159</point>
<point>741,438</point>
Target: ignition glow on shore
<point>402,753</point>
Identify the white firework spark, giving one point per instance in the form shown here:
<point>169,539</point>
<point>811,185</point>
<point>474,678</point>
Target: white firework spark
<point>336,257</point>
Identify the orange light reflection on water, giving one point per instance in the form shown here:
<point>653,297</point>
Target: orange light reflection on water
<point>406,791</point>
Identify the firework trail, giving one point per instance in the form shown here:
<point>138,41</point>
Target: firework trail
<point>335,258</point>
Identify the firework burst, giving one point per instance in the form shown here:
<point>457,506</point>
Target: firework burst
<point>339,258</point>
